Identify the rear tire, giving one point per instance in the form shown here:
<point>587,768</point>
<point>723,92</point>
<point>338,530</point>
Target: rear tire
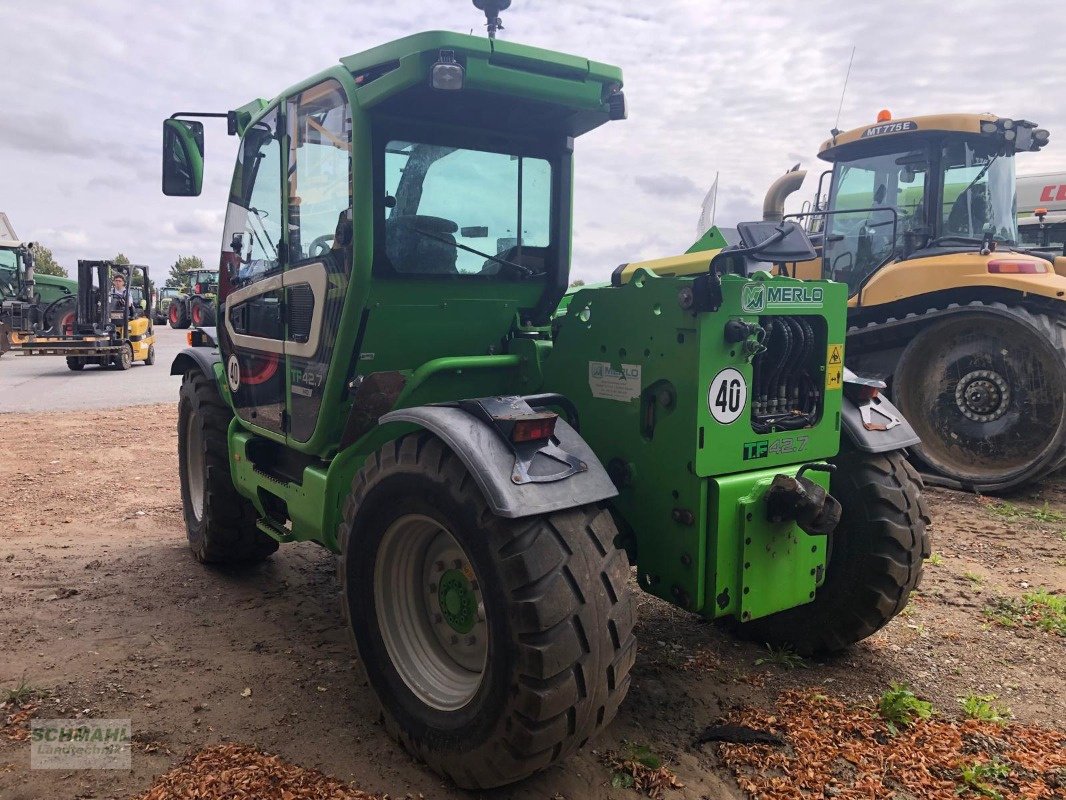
<point>875,559</point>
<point>178,315</point>
<point>542,605</point>
<point>220,523</point>
<point>149,360</point>
<point>75,364</point>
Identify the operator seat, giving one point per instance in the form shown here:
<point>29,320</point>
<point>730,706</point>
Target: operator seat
<point>422,245</point>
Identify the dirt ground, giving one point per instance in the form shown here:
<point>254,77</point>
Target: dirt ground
<point>104,612</point>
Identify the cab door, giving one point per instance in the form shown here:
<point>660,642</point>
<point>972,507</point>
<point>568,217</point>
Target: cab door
<point>318,268</point>
<point>252,333</point>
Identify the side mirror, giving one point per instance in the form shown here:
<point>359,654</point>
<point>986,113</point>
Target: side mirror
<point>765,241</point>
<point>183,157</point>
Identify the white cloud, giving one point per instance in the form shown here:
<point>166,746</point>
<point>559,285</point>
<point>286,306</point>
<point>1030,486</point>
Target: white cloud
<point>732,88</point>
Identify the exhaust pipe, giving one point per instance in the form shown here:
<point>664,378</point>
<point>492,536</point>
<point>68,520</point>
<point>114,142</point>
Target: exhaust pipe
<point>773,206</point>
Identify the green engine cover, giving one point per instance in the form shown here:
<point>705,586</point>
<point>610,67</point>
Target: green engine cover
<point>666,400</point>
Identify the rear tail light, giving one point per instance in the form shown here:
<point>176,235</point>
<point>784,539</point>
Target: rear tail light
<point>534,428</point>
<point>1009,267</point>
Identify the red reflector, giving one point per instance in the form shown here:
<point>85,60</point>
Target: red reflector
<point>534,428</point>
<point>1005,267</point>
<point>868,393</point>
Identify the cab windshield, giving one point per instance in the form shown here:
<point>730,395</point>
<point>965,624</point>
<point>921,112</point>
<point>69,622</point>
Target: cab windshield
<point>453,211</point>
<point>888,205</point>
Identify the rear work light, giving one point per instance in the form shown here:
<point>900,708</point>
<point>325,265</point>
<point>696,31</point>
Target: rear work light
<point>534,428</point>
<point>1009,267</point>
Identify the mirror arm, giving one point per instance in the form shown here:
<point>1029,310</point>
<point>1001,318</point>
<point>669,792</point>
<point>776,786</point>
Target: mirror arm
<point>230,116</point>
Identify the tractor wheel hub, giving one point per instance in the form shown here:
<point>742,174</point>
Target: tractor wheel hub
<point>982,395</point>
<point>458,603</point>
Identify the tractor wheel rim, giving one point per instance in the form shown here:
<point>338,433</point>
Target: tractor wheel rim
<point>982,395</point>
<point>430,612</point>
<point>194,466</point>
<point>172,313</point>
<point>197,314</point>
<point>985,398</point>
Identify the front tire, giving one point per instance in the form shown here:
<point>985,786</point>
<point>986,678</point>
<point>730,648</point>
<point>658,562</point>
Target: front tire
<point>875,560</point>
<point>149,359</point>
<point>220,523</point>
<point>75,364</point>
<point>124,360</point>
<point>495,647</point>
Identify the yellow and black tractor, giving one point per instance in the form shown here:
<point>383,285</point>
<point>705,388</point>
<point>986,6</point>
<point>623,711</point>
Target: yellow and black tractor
<point>112,325</point>
<point>965,325</point>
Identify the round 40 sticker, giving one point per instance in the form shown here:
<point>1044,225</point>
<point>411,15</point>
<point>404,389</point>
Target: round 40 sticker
<point>727,396</point>
<point>233,373</point>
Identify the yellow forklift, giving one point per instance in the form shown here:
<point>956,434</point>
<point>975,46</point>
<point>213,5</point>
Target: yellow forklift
<point>112,325</point>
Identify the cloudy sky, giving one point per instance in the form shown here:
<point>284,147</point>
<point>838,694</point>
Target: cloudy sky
<point>742,88</point>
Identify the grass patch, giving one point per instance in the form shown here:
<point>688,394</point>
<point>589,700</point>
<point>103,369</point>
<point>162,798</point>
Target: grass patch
<point>899,707</point>
<point>21,694</point>
<point>984,707</point>
<point>935,559</point>
<point>973,577</point>
<point>977,777</point>
<point>1038,609</point>
<point>784,657</point>
<point>1008,511</point>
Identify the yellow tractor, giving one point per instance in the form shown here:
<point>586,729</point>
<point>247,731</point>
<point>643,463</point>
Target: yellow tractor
<point>966,326</point>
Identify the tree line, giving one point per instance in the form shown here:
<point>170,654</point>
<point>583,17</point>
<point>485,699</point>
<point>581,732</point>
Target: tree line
<point>46,264</point>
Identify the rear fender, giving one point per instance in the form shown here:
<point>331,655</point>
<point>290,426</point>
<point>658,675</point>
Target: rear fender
<point>492,462</point>
<point>874,425</point>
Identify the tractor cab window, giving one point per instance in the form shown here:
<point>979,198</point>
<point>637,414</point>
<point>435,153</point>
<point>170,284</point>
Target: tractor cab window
<point>252,237</point>
<point>979,191</point>
<point>451,211</point>
<point>877,201</point>
<point>320,184</point>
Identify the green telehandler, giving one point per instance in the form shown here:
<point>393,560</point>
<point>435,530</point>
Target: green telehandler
<point>388,381</point>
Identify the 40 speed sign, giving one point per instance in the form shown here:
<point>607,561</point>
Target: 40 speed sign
<point>727,395</point>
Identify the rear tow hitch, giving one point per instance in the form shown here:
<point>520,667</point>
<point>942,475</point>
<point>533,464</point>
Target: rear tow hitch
<point>801,499</point>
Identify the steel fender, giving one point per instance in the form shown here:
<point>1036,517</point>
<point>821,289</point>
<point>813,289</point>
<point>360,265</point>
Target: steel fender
<point>490,461</point>
<point>202,358</point>
<point>882,412</point>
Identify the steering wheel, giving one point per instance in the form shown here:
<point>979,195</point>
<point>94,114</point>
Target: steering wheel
<point>321,245</point>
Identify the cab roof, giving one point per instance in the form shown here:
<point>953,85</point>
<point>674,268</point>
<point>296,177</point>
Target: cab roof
<point>904,127</point>
<point>569,91</point>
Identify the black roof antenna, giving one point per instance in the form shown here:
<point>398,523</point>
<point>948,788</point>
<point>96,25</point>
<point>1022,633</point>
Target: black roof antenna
<point>492,9</point>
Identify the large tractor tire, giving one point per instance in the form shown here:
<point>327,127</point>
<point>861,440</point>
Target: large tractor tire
<point>984,390</point>
<point>221,525</point>
<point>495,647</point>
<point>201,312</point>
<point>59,316</point>
<point>178,314</point>
<point>875,558</point>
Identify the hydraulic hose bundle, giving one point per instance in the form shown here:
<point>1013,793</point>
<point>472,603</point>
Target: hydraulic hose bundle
<point>787,392</point>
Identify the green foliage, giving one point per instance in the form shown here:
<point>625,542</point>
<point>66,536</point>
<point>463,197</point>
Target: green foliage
<point>984,707</point>
<point>973,577</point>
<point>44,263</point>
<point>899,707</point>
<point>976,777</point>
<point>180,269</point>
<point>21,693</point>
<point>783,656</point>
<point>935,559</point>
<point>634,754</point>
<point>121,259</point>
<point>1045,514</point>
<point>1037,609</point>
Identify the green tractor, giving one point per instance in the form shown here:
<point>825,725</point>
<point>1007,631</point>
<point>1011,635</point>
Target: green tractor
<point>392,377</point>
<point>31,302</point>
<point>194,304</point>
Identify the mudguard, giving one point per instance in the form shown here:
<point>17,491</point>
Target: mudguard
<point>201,358</point>
<point>491,461</point>
<point>875,425</point>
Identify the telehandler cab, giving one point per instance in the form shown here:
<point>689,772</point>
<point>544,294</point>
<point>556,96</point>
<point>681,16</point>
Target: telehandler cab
<point>30,301</point>
<point>392,380</point>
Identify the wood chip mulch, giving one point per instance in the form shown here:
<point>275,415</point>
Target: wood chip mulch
<point>240,772</point>
<point>839,751</point>
<point>16,721</point>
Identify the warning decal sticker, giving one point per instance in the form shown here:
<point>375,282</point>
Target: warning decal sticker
<point>609,383</point>
<point>834,366</point>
